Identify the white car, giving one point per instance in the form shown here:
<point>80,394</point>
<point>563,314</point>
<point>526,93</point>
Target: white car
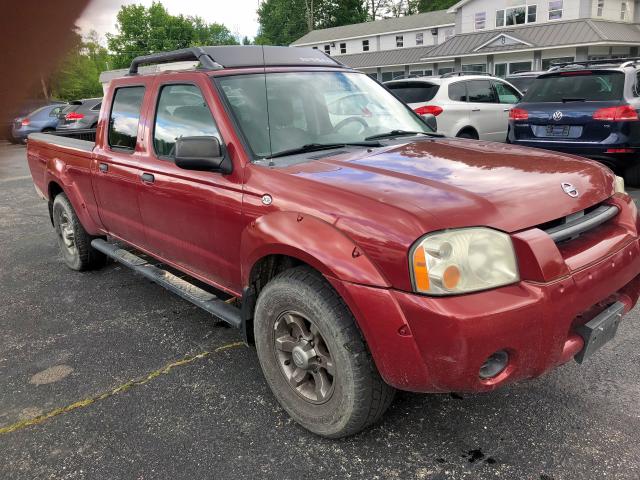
<point>465,105</point>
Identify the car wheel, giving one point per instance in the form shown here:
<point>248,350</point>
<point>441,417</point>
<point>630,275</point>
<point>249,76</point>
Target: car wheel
<point>467,134</point>
<point>73,240</point>
<point>632,176</point>
<point>314,357</point>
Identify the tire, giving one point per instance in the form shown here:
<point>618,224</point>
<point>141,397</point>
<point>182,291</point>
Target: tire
<point>632,176</point>
<point>73,240</point>
<point>355,396</point>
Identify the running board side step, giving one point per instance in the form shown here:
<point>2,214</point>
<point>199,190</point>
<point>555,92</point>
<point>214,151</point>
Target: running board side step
<point>192,293</point>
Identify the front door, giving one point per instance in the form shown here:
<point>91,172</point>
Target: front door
<point>191,217</point>
<point>116,176</point>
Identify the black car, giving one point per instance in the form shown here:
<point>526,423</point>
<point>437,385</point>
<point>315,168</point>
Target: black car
<point>80,114</point>
<point>585,108</point>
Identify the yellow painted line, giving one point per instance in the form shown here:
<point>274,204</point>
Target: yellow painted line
<point>122,388</point>
<point>13,179</point>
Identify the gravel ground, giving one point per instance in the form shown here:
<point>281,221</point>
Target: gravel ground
<point>67,338</point>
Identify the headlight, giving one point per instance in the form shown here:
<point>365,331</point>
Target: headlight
<point>462,260</point>
<point>619,185</point>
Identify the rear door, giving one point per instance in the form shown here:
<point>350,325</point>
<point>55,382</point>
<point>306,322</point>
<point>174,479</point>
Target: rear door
<point>507,97</point>
<point>561,106</point>
<point>485,113</point>
<point>116,170</point>
<point>191,217</point>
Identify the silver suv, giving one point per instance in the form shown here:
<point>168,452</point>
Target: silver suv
<point>466,105</point>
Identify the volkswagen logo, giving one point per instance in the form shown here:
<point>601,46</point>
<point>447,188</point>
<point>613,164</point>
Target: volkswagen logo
<point>557,115</point>
<point>569,189</point>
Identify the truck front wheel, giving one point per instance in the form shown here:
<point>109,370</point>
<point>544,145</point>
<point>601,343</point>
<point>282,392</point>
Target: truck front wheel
<point>73,240</point>
<point>314,357</point>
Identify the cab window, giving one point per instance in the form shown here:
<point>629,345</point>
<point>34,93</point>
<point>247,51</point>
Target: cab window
<point>124,118</point>
<point>181,112</point>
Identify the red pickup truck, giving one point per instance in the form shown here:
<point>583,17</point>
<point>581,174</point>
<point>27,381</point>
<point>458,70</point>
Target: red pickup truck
<point>361,252</point>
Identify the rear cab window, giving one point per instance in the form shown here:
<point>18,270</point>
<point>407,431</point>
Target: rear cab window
<point>181,111</point>
<point>125,117</point>
<point>579,85</point>
<point>414,92</point>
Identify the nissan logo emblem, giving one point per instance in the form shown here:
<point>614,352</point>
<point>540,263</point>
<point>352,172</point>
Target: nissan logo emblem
<point>569,189</point>
<point>557,115</point>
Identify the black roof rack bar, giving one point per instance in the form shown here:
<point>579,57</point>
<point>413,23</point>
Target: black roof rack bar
<point>186,54</point>
<point>463,73</point>
<point>602,61</point>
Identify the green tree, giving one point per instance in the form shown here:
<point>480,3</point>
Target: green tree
<point>432,5</point>
<point>142,31</point>
<point>77,75</point>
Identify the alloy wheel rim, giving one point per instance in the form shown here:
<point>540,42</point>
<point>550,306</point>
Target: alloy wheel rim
<point>303,357</point>
<point>66,232</point>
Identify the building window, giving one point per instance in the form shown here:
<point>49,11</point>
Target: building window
<point>600,8</point>
<point>443,70</point>
<point>517,15</point>
<point>315,48</point>
<point>500,70</point>
<point>500,18</point>
<point>624,11</point>
<point>475,68</point>
<point>517,67</point>
<point>532,13</point>
<point>399,41</point>
<point>480,20</point>
<point>555,10</point>
<point>365,45</point>
<point>419,38</point>
<point>421,73</point>
<point>327,49</point>
<point>343,48</point>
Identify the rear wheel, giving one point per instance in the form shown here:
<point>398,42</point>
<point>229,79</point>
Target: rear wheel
<point>467,134</point>
<point>73,240</point>
<point>314,357</point>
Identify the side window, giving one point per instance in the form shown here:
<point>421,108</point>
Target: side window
<point>480,91</point>
<point>458,91</point>
<point>125,115</point>
<point>636,89</point>
<point>181,112</point>
<point>96,107</point>
<point>55,112</point>
<point>506,94</point>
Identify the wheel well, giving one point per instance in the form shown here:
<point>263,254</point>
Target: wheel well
<point>261,273</point>
<point>470,131</point>
<point>54,190</point>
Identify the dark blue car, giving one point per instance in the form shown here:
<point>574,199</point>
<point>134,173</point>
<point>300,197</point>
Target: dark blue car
<point>44,119</point>
<point>586,108</point>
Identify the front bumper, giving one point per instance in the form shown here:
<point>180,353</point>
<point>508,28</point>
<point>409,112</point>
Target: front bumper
<point>438,344</point>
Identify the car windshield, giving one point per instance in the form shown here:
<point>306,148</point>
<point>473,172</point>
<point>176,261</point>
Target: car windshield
<point>286,111</point>
<point>578,85</point>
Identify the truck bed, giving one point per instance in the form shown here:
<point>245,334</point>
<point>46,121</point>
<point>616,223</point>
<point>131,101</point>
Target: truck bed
<point>81,139</point>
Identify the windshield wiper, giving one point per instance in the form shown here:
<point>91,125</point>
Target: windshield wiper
<point>565,100</point>
<point>400,133</point>
<point>314,147</point>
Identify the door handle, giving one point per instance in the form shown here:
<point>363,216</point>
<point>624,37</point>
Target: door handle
<point>475,109</point>
<point>104,168</point>
<point>147,178</point>
<point>506,109</point>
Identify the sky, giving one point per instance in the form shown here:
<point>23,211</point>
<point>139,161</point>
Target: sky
<point>241,18</point>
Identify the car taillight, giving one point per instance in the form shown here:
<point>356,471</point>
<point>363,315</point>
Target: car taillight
<point>74,116</point>
<point>616,114</point>
<point>25,122</point>
<point>518,114</point>
<point>429,109</point>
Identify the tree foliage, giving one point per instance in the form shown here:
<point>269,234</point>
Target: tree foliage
<point>142,31</point>
<point>77,75</point>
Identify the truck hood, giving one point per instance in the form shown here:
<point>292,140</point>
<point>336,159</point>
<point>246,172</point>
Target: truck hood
<point>448,183</point>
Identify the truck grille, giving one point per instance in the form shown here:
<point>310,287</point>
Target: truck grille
<point>574,225</point>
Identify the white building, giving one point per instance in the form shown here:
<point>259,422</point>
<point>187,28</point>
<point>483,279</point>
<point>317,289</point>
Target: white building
<point>496,36</point>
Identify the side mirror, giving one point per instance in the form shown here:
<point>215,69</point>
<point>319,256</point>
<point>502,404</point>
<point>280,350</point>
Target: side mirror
<point>430,120</point>
<point>201,153</point>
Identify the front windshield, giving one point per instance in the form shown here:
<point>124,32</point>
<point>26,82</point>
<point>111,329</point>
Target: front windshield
<point>303,108</point>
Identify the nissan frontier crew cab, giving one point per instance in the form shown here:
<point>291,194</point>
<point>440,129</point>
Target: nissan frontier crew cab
<point>361,252</point>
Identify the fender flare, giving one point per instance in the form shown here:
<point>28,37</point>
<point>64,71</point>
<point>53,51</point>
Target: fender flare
<point>311,240</point>
<point>56,172</point>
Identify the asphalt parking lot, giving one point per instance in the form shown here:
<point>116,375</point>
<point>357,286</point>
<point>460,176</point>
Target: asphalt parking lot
<point>71,344</point>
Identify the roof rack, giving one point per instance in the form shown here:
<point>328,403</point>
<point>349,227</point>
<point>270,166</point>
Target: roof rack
<point>196,54</point>
<point>622,62</point>
<point>461,74</point>
<point>405,77</point>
